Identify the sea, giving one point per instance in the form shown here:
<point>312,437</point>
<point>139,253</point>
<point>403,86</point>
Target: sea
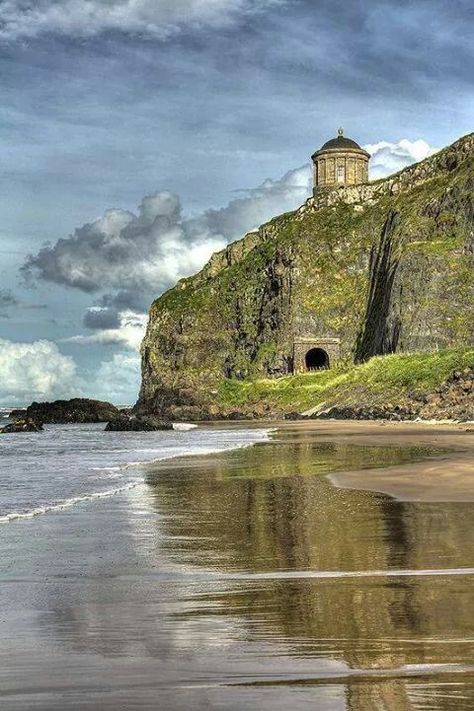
<point>67,465</point>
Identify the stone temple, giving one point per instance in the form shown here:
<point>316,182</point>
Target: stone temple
<point>340,161</point>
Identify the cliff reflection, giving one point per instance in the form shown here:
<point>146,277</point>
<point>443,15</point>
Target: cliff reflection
<point>269,510</point>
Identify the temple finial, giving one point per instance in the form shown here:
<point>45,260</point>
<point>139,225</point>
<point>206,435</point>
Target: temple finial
<point>340,131</point>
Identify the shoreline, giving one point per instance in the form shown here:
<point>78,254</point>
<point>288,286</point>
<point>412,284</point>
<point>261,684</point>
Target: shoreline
<point>444,477</point>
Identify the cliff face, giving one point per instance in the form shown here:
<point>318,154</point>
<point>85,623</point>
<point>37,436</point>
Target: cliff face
<point>390,262</point>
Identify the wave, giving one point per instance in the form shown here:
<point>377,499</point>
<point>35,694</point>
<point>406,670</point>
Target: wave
<point>117,471</point>
<point>67,503</point>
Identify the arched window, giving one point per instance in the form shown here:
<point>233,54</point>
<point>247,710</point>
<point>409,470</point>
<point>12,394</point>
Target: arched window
<point>341,174</point>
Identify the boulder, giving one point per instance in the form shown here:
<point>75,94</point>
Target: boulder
<point>15,414</point>
<point>76,410</point>
<point>138,423</point>
<point>25,424</point>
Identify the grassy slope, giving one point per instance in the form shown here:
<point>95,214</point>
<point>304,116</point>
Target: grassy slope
<point>382,380</point>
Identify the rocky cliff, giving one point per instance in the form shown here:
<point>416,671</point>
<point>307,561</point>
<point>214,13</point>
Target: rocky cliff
<point>383,266</point>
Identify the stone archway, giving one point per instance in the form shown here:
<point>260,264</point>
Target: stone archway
<point>331,352</point>
<point>316,359</point>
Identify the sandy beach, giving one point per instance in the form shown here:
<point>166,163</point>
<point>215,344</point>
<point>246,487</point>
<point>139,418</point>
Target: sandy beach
<point>449,477</point>
<point>289,574</point>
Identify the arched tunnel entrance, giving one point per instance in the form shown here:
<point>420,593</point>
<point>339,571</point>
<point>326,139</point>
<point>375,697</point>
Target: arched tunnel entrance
<point>315,353</point>
<point>316,359</point>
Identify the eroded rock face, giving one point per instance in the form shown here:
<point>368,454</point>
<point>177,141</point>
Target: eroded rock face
<point>23,424</point>
<point>309,274</point>
<point>380,330</point>
<point>454,400</point>
<point>72,411</point>
<point>124,423</point>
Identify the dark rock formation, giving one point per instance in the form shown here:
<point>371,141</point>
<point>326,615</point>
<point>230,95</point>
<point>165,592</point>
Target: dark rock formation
<point>76,410</point>
<point>397,413</point>
<point>382,321</point>
<point>138,423</point>
<point>15,414</point>
<point>25,424</point>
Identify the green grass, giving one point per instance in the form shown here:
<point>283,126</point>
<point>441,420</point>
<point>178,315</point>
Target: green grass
<point>382,380</point>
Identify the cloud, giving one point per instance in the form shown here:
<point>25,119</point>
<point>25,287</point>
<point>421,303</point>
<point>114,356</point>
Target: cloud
<point>138,256</point>
<point>387,157</point>
<point>7,299</point>
<point>150,18</point>
<point>99,318</point>
<point>128,331</point>
<point>38,370</point>
<point>118,379</point>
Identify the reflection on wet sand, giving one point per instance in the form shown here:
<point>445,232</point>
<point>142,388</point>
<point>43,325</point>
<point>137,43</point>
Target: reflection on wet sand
<point>271,509</point>
<point>248,580</point>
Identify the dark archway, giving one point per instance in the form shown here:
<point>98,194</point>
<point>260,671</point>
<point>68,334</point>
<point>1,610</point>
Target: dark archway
<point>316,359</point>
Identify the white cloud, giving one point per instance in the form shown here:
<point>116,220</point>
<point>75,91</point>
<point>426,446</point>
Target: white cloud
<point>118,379</point>
<point>138,256</point>
<point>141,255</point>
<point>151,18</point>
<point>38,370</point>
<point>388,158</point>
<point>129,333</point>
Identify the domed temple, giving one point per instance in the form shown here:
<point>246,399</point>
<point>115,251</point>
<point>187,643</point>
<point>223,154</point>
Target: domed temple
<point>341,161</point>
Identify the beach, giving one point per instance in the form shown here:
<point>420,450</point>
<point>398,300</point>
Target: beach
<point>327,565</point>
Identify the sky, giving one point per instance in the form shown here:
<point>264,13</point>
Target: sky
<point>137,137</point>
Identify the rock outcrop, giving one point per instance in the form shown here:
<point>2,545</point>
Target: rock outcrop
<point>382,321</point>
<point>124,423</point>
<point>454,400</point>
<point>339,267</point>
<point>16,414</point>
<point>25,424</point>
<point>72,411</point>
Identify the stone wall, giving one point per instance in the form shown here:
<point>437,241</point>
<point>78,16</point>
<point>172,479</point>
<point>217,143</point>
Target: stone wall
<point>332,346</point>
<point>340,167</point>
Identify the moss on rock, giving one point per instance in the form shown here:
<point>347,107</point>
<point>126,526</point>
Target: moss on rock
<point>306,273</point>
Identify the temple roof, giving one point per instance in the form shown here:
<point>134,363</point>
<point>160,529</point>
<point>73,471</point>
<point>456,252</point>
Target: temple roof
<point>341,143</point>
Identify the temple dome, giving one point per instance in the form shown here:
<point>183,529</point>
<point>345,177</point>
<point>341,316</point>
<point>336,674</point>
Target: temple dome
<point>340,161</point>
<point>339,143</point>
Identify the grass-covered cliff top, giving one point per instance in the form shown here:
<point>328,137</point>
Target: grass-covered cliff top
<point>231,329</point>
<point>386,380</point>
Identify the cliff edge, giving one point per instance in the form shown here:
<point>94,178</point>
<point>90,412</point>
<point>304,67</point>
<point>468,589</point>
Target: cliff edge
<point>383,267</point>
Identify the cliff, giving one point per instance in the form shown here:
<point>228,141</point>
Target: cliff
<point>385,266</point>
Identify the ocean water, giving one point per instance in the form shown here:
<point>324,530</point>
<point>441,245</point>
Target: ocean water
<point>67,465</point>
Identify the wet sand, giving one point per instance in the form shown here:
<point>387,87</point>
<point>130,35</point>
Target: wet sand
<point>450,477</point>
<point>272,577</point>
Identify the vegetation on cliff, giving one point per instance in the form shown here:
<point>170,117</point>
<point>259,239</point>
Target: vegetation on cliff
<point>411,385</point>
<point>382,266</point>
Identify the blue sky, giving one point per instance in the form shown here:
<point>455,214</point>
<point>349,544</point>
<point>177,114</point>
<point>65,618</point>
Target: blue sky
<point>137,137</point>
